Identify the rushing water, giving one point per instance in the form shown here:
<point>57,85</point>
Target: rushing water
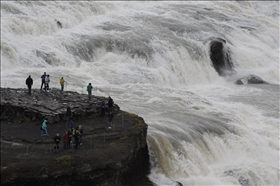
<point>153,59</point>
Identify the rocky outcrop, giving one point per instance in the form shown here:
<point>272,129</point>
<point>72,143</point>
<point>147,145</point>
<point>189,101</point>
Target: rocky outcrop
<point>117,156</point>
<point>251,79</point>
<point>220,56</point>
<point>17,106</point>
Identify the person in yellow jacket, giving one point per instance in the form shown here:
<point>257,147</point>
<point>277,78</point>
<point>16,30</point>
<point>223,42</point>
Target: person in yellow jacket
<point>62,84</point>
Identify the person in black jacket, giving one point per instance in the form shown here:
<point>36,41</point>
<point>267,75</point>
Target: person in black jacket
<point>77,137</point>
<point>110,104</point>
<point>57,140</point>
<point>110,118</point>
<point>43,80</point>
<point>29,83</point>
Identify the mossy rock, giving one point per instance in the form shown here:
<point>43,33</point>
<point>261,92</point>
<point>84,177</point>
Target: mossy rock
<point>67,161</point>
<point>26,120</point>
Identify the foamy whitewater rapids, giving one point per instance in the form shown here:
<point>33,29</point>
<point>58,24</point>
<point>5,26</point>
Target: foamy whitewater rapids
<point>153,59</point>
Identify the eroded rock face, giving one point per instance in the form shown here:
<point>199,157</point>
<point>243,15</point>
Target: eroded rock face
<point>107,157</point>
<point>220,56</point>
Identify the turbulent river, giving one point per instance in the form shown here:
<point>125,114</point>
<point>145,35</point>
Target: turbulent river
<point>153,59</point>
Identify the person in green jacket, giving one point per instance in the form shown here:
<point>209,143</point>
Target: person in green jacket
<point>44,128</point>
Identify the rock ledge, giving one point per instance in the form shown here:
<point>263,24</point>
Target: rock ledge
<point>107,157</point>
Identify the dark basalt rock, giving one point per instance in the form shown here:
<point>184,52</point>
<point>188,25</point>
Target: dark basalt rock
<point>107,157</point>
<point>220,56</point>
<point>251,79</point>
<point>51,105</point>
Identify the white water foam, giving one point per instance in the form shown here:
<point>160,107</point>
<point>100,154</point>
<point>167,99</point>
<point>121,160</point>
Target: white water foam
<point>153,59</point>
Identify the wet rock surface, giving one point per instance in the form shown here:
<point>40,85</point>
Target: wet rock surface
<point>117,156</point>
<point>220,56</point>
<point>250,79</point>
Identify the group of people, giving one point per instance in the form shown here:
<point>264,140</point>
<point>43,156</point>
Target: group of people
<point>74,134</point>
<point>110,111</point>
<point>71,136</point>
<point>45,83</point>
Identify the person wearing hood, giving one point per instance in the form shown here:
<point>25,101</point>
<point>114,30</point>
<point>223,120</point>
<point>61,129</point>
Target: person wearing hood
<point>29,83</point>
<point>44,128</point>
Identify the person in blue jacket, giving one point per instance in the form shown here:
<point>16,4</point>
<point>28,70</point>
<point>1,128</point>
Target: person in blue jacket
<point>44,128</point>
<point>89,89</point>
<point>43,80</point>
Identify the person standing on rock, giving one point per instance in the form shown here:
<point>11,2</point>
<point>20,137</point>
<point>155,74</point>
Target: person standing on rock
<point>110,104</point>
<point>77,137</point>
<point>44,128</point>
<point>62,81</point>
<point>81,130</point>
<point>29,83</point>
<point>65,140</point>
<point>89,90</point>
<point>47,82</point>
<point>57,140</point>
<point>43,80</point>
<point>110,118</point>
<point>69,133</point>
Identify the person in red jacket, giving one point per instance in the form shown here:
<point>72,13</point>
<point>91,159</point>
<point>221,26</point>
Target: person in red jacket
<point>69,133</point>
<point>65,139</point>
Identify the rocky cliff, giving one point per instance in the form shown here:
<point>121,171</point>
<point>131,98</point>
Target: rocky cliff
<point>117,156</point>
